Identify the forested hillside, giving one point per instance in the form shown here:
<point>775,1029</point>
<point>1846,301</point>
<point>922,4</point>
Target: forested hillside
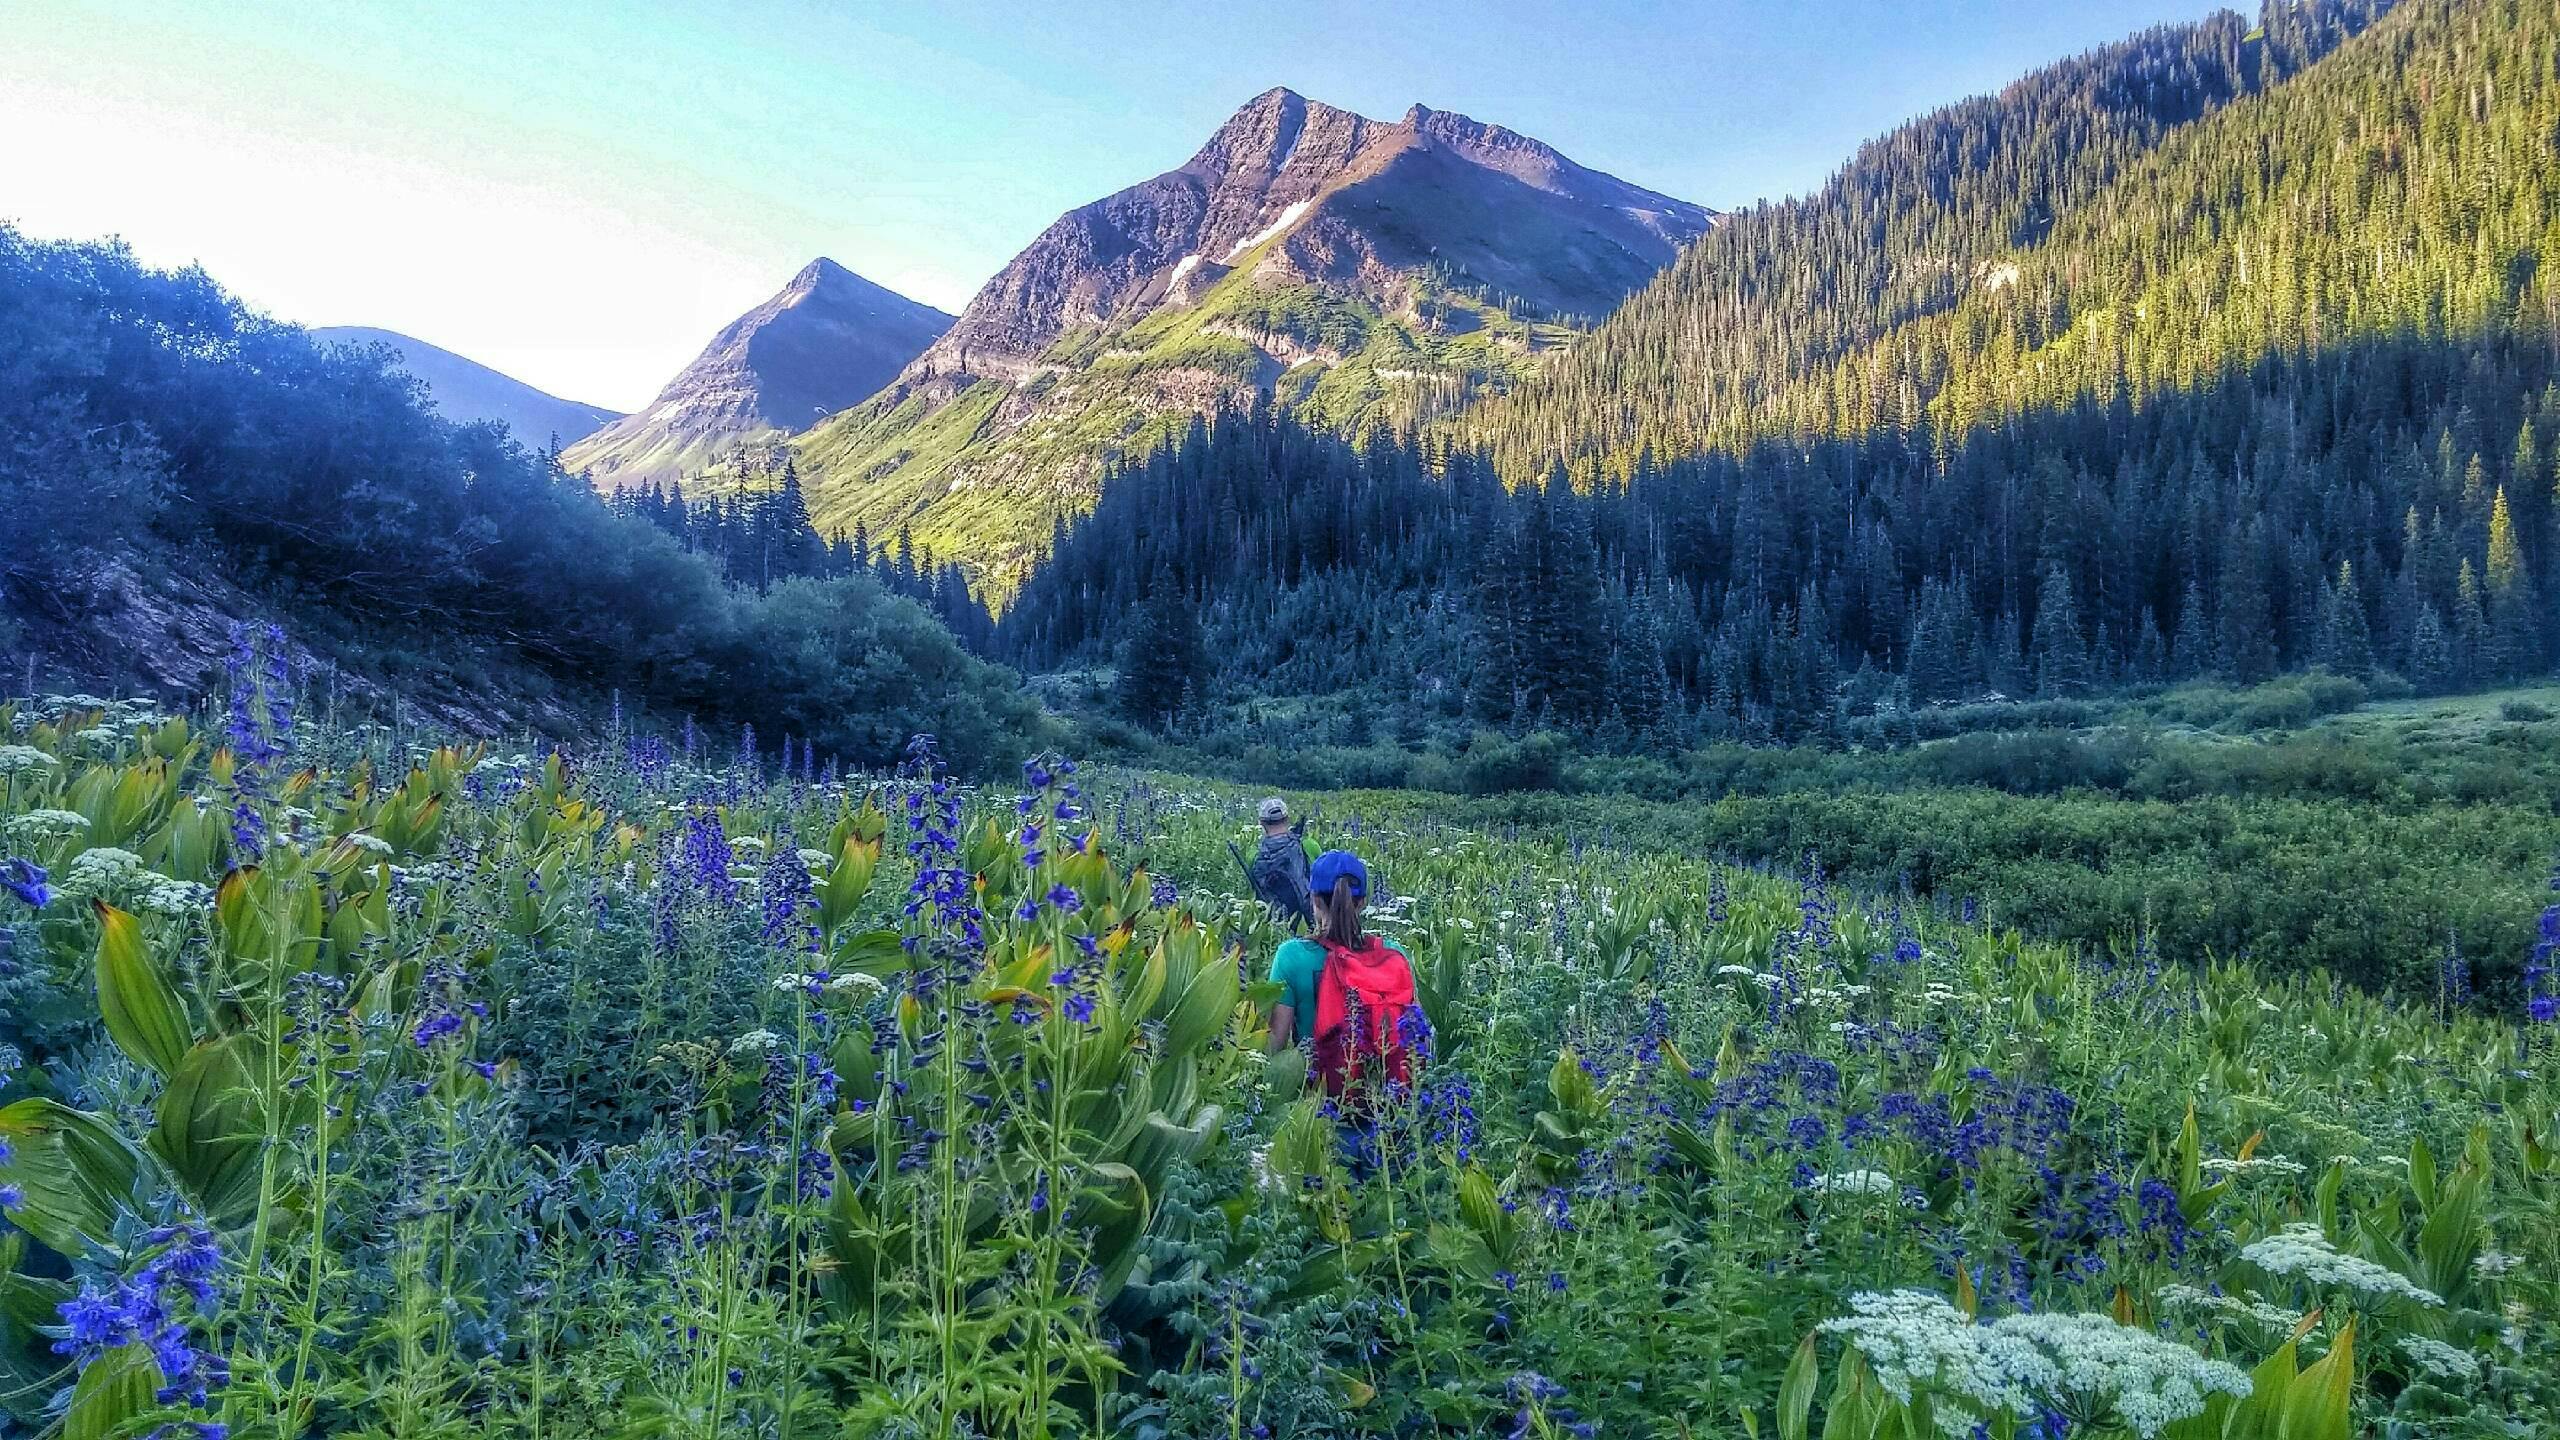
<point>2279,393</point>
<point>1358,273</point>
<point>167,453</point>
<point>1777,322</point>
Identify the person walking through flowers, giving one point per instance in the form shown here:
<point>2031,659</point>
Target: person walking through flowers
<point>1345,993</point>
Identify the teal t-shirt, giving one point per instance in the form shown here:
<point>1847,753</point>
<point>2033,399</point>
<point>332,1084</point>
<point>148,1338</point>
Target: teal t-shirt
<point>1295,968</point>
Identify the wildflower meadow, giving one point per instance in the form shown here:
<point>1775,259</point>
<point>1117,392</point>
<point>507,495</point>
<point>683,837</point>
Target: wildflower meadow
<point>357,1082</point>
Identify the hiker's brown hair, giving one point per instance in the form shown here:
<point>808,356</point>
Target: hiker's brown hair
<point>1342,916</point>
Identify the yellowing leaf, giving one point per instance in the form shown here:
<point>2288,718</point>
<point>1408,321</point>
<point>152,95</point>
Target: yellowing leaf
<point>142,1010</point>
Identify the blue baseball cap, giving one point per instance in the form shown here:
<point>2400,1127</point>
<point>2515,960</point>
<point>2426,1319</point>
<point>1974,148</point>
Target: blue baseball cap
<point>1334,865</point>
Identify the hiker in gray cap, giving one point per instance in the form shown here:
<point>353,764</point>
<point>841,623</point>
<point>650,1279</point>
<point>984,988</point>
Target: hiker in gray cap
<point>1279,869</point>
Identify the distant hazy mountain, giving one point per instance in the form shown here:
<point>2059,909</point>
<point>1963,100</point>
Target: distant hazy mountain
<point>465,389</point>
<point>1350,270</point>
<point>829,340</point>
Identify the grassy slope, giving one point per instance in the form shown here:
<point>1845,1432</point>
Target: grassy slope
<point>979,479</point>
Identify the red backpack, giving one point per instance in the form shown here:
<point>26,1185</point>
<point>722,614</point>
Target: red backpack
<point>1362,1001</point>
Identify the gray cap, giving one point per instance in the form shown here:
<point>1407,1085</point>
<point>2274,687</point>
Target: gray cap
<point>1272,809</point>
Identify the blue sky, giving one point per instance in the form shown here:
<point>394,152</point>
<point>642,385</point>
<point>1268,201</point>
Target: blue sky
<point>580,193</point>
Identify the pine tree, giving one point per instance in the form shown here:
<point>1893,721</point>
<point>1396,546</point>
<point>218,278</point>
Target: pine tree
<point>1164,663</point>
<point>2431,664</point>
<point>2349,638</point>
<point>2061,655</point>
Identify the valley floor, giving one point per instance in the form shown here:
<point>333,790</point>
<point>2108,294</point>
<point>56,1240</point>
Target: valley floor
<point>614,1091</point>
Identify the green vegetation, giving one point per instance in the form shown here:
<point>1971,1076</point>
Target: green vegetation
<point>362,1088</point>
<point>2371,844</point>
<point>983,477</point>
<point>155,428</point>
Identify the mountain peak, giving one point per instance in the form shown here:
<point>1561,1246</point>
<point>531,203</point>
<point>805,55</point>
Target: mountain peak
<point>1329,197</point>
<point>1267,130</point>
<point>826,340</point>
<point>821,271</point>
<point>464,389</point>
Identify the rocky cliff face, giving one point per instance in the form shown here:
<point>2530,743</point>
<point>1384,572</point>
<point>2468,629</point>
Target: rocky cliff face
<point>1355,202</point>
<point>1350,270</point>
<point>827,341</point>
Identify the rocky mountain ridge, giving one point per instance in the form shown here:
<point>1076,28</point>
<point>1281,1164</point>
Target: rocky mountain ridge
<point>827,340</point>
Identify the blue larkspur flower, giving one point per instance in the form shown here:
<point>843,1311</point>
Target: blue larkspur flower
<point>27,880</point>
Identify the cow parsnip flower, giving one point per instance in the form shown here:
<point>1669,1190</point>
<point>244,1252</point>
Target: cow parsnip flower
<point>2246,1306</point>
<point>2438,1360</point>
<point>45,824</point>
<point>2087,1365</point>
<point>2299,1251</point>
<point>1854,1182</point>
<point>2092,1367</point>
<point>17,758</point>
<point>1914,1340</point>
<point>100,873</point>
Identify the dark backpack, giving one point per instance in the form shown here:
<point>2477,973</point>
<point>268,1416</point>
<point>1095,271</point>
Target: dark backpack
<point>1364,1005</point>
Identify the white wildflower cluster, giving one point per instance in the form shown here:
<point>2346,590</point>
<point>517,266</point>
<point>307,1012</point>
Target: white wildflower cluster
<point>1916,1340</point>
<point>2490,1264</point>
<point>1825,994</point>
<point>815,860</point>
<point>2300,1251</point>
<point>38,825</point>
<point>2254,1165</point>
<point>2248,1305</point>
<point>755,1042</point>
<point>370,844</point>
<point>864,985</point>
<point>16,759</point>
<point>2086,1363</point>
<point>163,895</point>
<point>103,873</point>
<point>102,736</point>
<point>2440,1361</point>
<point>1853,1182</point>
<point>120,877</point>
<point>2096,1365</point>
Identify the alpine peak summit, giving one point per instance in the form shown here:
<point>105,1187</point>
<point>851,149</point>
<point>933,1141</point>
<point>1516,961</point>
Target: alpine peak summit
<point>827,340</point>
<point>1351,202</point>
<point>1347,269</point>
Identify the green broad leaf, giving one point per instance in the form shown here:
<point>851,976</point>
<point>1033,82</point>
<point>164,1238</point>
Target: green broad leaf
<point>1462,1252</point>
<point>141,1008</point>
<point>77,1173</point>
<point>1571,1086</point>
<point>2317,1404</point>
<point>2422,1173</point>
<point>1207,1007</point>
<point>114,1396</point>
<point>1693,1148</point>
<point>1795,1392</point>
<point>870,952</point>
<point>207,1129</point>
<point>2256,1417</point>
<point>1481,1205</point>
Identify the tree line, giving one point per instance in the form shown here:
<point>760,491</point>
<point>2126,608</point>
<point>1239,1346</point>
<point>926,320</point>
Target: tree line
<point>760,536</point>
<point>153,426</point>
<point>2263,378</point>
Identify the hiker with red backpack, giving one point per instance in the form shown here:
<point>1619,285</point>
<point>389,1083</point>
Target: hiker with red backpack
<point>1345,993</point>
